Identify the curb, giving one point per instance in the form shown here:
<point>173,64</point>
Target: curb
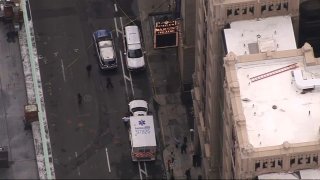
<point>31,98</point>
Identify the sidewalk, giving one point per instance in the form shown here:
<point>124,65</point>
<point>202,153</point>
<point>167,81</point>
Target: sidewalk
<point>172,115</point>
<point>22,159</point>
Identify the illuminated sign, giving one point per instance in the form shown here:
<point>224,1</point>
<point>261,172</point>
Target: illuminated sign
<point>165,34</point>
<point>165,27</point>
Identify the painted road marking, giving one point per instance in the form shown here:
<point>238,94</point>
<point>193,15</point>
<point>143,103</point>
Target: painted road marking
<point>125,82</point>
<point>116,25</point>
<point>108,160</point>
<point>78,169</point>
<point>131,84</point>
<point>63,73</point>
<point>115,7</point>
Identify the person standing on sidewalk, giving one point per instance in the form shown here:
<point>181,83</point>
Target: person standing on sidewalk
<point>172,157</point>
<point>126,121</point>
<point>188,174</point>
<point>185,139</point>
<point>183,148</point>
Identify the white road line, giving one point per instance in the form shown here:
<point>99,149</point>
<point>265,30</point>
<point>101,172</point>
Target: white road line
<point>116,25</point>
<point>140,171</point>
<point>127,78</point>
<point>131,84</point>
<point>124,76</point>
<point>121,24</point>
<point>78,169</point>
<point>115,7</point>
<point>108,160</point>
<point>63,74</point>
<point>143,172</point>
<point>145,169</point>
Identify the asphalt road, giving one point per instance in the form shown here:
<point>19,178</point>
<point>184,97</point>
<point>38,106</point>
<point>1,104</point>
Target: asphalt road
<point>83,135</point>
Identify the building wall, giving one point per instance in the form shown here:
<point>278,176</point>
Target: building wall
<point>187,43</point>
<point>214,127</point>
<point>208,68</point>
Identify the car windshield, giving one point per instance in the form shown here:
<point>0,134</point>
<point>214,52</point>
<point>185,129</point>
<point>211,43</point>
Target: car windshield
<point>139,109</point>
<point>137,53</point>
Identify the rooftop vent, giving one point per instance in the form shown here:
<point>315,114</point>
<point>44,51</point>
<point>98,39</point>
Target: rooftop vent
<point>266,44</point>
<point>304,83</point>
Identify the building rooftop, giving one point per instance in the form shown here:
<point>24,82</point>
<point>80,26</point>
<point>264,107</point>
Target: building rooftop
<point>260,35</point>
<point>302,174</point>
<point>276,108</point>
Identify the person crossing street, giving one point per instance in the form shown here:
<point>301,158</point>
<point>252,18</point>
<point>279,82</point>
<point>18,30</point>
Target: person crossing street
<point>79,99</point>
<point>109,83</point>
<point>89,67</point>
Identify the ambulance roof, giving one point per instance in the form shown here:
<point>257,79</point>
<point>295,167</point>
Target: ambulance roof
<point>142,131</point>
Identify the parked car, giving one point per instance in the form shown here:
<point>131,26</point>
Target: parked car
<point>104,44</point>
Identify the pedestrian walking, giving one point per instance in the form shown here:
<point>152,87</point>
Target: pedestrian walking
<point>188,174</point>
<point>177,142</point>
<point>89,67</point>
<point>109,83</point>
<point>191,134</point>
<point>172,157</point>
<point>185,139</point>
<point>194,160</point>
<point>183,148</point>
<point>79,98</point>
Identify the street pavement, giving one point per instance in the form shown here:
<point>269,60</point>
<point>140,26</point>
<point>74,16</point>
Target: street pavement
<point>172,112</point>
<point>82,135</point>
<point>22,160</point>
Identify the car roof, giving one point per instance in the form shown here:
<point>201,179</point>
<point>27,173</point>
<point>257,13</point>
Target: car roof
<point>102,33</point>
<point>132,34</point>
<point>106,49</point>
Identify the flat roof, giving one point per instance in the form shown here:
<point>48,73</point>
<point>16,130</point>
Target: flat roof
<point>310,174</point>
<point>142,131</point>
<point>302,174</point>
<point>278,176</point>
<point>259,35</point>
<point>275,109</point>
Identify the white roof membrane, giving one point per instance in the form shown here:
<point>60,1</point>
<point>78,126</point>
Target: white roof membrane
<point>302,174</point>
<point>260,35</point>
<point>275,109</point>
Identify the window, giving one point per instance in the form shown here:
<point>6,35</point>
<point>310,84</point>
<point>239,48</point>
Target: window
<point>292,161</point>
<point>257,166</point>
<point>137,53</point>
<point>139,109</point>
